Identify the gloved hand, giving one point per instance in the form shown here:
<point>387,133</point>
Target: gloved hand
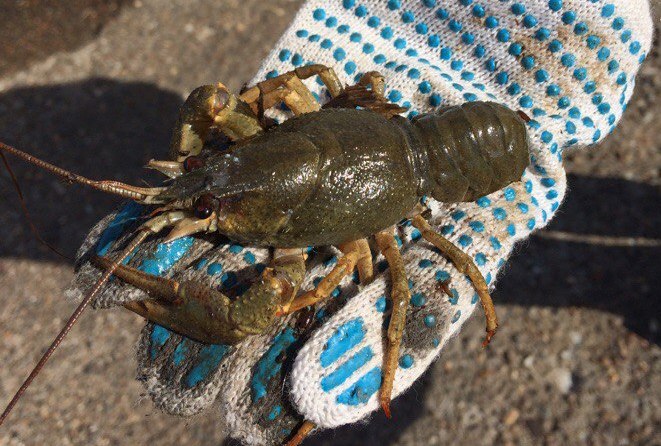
<point>568,64</point>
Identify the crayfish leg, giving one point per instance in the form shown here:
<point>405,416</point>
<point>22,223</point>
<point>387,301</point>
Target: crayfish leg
<point>360,96</point>
<point>375,81</point>
<point>302,432</point>
<point>356,253</point>
<point>295,95</point>
<point>400,296</point>
<point>364,264</point>
<point>464,263</point>
<point>289,88</point>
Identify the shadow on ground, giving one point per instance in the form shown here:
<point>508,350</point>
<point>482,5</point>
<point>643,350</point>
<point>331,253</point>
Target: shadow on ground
<point>617,279</point>
<point>108,130</point>
<point>380,430</point>
<point>98,128</point>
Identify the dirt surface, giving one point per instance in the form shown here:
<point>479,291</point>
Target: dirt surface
<point>34,29</point>
<point>578,359</point>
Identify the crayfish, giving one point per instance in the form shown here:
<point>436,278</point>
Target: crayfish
<point>332,175</point>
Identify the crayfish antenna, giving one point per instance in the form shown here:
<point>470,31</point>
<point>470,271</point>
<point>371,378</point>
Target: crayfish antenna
<point>26,213</point>
<point>73,318</point>
<point>144,195</point>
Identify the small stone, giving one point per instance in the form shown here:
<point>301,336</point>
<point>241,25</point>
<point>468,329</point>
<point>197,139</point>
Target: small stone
<point>562,379</point>
<point>576,337</point>
<point>204,33</point>
<point>511,417</point>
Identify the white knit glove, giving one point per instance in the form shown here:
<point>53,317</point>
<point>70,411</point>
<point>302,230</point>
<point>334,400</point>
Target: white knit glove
<point>569,64</point>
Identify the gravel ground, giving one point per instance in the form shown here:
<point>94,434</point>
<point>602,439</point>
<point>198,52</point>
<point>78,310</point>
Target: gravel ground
<point>577,363</point>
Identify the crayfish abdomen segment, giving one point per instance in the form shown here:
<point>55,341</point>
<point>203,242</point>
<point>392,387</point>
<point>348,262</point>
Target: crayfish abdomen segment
<point>473,149</point>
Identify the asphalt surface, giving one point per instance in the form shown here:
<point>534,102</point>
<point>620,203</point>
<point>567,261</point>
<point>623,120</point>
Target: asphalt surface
<point>95,87</point>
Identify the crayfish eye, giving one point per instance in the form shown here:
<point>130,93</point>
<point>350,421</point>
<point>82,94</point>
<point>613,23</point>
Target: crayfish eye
<point>221,98</point>
<point>193,163</point>
<point>204,206</point>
